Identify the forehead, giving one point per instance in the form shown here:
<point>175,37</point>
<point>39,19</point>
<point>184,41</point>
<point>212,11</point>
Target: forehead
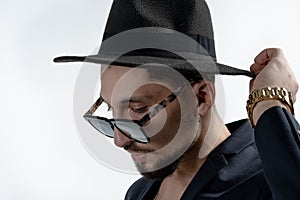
<point>111,75</point>
<point>121,78</point>
<point>119,83</point>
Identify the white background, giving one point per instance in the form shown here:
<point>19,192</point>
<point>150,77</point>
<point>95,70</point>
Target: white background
<point>41,156</point>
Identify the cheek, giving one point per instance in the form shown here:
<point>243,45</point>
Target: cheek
<point>167,123</point>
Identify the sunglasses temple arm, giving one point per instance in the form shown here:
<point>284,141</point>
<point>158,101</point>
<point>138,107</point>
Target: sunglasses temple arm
<point>161,105</point>
<point>94,107</point>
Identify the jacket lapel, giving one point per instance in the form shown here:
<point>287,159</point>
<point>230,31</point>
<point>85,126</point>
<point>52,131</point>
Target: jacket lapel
<point>207,172</point>
<point>150,190</point>
<point>242,136</point>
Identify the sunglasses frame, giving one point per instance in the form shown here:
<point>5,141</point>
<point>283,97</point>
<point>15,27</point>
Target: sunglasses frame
<point>152,112</point>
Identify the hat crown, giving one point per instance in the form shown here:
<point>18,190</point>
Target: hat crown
<point>185,16</point>
<point>190,17</point>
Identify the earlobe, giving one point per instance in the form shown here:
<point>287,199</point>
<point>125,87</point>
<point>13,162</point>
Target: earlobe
<point>205,92</point>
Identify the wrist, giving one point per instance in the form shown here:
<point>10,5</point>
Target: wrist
<point>263,106</point>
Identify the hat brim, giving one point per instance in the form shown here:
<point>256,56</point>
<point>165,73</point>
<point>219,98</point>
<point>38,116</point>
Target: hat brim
<point>205,67</point>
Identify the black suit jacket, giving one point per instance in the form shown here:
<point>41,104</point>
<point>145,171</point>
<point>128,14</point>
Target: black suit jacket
<point>249,165</point>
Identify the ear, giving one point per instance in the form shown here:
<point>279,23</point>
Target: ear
<point>205,92</point>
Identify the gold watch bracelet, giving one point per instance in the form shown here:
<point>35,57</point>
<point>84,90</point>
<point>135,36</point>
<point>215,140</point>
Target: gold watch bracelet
<point>269,93</point>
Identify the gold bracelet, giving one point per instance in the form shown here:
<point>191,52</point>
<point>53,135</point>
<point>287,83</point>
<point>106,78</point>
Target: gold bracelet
<point>268,93</point>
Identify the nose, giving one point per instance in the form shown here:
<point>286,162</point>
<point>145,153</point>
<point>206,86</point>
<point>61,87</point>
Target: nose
<point>120,139</point>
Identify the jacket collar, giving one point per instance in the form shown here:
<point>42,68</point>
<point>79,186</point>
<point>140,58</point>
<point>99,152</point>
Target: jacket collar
<point>241,137</point>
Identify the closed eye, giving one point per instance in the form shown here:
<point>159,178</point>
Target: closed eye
<point>140,110</point>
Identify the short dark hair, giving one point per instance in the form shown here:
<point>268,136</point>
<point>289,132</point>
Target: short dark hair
<point>167,75</point>
<point>194,76</point>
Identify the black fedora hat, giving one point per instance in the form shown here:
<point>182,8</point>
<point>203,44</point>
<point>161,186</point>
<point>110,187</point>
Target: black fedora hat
<point>170,32</point>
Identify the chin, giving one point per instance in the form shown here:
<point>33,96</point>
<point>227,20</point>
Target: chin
<point>160,173</point>
<point>154,166</point>
<point>162,167</point>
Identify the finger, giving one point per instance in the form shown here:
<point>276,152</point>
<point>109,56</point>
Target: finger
<point>251,85</point>
<point>266,55</point>
<point>255,68</point>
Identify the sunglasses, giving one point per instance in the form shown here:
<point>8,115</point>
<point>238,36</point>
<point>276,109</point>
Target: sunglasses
<point>132,129</point>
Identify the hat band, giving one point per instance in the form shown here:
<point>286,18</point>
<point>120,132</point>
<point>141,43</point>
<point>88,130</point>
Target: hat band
<point>174,42</point>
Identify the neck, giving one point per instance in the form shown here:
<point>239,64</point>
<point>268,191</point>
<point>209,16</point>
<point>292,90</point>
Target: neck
<point>212,133</point>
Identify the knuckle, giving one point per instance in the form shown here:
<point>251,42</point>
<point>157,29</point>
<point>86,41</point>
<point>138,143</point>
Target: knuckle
<point>279,50</point>
<point>275,52</point>
<point>278,61</point>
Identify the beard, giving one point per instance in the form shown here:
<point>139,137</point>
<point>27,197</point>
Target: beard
<point>164,171</point>
<point>161,173</point>
<point>163,162</point>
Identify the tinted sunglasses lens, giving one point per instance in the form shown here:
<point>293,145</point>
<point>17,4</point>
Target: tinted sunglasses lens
<point>132,130</point>
<point>102,126</point>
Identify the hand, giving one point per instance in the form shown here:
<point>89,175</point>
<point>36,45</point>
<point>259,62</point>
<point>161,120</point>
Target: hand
<point>272,70</point>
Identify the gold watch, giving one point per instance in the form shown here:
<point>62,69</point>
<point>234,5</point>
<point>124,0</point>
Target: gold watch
<point>268,93</point>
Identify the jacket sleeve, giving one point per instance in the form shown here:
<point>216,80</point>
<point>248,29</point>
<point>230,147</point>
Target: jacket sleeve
<point>278,142</point>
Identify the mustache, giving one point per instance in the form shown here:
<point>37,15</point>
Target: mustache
<point>133,147</point>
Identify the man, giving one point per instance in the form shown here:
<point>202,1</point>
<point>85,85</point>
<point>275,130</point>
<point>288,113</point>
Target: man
<point>161,96</point>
